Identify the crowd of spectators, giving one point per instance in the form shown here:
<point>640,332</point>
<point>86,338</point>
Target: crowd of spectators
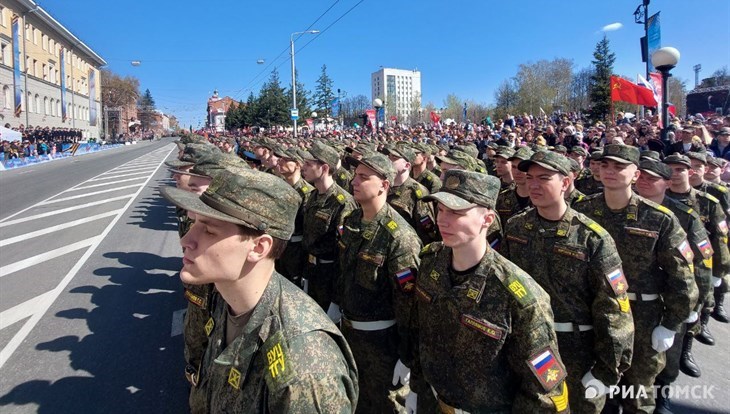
<point>37,141</point>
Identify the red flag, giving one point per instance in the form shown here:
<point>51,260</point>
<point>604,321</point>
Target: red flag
<point>435,118</point>
<point>626,91</point>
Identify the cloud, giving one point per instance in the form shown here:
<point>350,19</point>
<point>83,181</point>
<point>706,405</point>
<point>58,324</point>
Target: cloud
<point>612,27</point>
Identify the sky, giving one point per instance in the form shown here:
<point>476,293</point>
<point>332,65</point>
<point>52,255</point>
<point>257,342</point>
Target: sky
<point>188,48</point>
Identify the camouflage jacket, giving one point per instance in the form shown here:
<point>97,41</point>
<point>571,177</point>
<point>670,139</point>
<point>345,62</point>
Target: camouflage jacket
<point>654,251</point>
<point>290,358</point>
<point>406,199</point>
<point>574,196</point>
<point>710,211</point>
<point>576,261</point>
<point>721,193</point>
<point>508,203</point>
<point>588,185</point>
<point>484,340</point>
<point>323,214</point>
<point>343,178</point>
<point>378,268</point>
<point>305,191</point>
<point>429,180</point>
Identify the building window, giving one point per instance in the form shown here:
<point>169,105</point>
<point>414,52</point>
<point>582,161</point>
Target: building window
<point>35,36</point>
<point>29,101</point>
<point>3,22</point>
<point>8,96</point>
<point>45,72</point>
<point>46,106</point>
<point>36,68</point>
<point>52,46</point>
<point>44,38</point>
<point>28,29</point>
<point>51,73</point>
<point>5,53</point>
<point>38,104</point>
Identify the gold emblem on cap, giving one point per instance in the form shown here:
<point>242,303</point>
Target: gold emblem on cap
<point>453,182</point>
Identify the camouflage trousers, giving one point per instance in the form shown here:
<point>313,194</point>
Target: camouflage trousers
<point>194,335</point>
<point>577,353</point>
<point>376,353</point>
<point>320,282</point>
<point>646,363</point>
<point>291,263</point>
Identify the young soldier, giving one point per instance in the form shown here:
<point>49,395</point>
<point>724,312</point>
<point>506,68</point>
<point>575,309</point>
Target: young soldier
<point>572,195</point>
<point>324,211</point>
<point>483,338</point>
<point>576,261</point>
<point>514,200</point>
<point>656,261</point>
<point>590,183</point>
<point>378,266</point>
<point>420,172</point>
<point>271,349</point>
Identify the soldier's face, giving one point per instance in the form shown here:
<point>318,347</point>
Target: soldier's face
<point>286,166</point>
<point>215,251</point>
<point>595,167</point>
<point>712,172</point>
<point>272,161</point>
<point>181,180</point>
<point>518,176</point>
<point>650,186</point>
<point>546,187</point>
<point>460,227</point>
<point>698,168</point>
<point>198,185</point>
<point>616,175</point>
<point>680,175</point>
<point>578,158</point>
<point>445,166</point>
<point>399,164</point>
<point>502,167</point>
<point>312,170</point>
<point>367,184</point>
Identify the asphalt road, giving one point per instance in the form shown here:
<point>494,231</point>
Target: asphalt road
<point>91,305</point>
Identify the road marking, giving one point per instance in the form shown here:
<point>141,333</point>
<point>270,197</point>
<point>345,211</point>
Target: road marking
<point>59,200</point>
<point>63,210</point>
<point>104,184</point>
<point>139,165</point>
<point>22,310</point>
<point>177,322</point>
<point>154,291</point>
<point>58,227</point>
<point>44,257</point>
<point>117,176</point>
<point>28,326</point>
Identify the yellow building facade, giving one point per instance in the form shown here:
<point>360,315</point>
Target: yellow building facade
<point>50,58</point>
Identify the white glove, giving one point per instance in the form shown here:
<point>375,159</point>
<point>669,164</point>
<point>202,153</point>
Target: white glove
<point>401,374</point>
<point>692,318</point>
<point>334,312</point>
<point>594,387</point>
<point>716,281</point>
<point>305,285</point>
<point>411,402</point>
<point>662,338</point>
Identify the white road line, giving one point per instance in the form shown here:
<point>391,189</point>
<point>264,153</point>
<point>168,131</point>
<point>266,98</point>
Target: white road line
<point>129,169</point>
<point>136,165</point>
<point>111,177</point>
<point>28,326</point>
<point>58,200</point>
<point>63,210</point>
<point>44,257</point>
<point>58,227</point>
<point>177,322</point>
<point>104,184</point>
<point>22,310</point>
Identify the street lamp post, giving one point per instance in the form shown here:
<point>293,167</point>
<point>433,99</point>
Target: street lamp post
<point>377,104</point>
<point>293,74</point>
<point>664,60</point>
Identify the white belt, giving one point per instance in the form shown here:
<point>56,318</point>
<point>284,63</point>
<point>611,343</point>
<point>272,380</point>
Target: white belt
<point>445,408</point>
<point>644,297</point>
<point>296,239</point>
<point>369,326</point>
<point>569,327</point>
<point>313,260</point>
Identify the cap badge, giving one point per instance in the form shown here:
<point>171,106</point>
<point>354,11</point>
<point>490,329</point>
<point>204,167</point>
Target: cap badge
<point>453,182</point>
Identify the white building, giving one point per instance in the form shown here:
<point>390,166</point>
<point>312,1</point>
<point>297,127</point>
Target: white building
<point>400,90</point>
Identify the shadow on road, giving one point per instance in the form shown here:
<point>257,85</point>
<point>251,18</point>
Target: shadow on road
<point>154,213</point>
<point>128,362</point>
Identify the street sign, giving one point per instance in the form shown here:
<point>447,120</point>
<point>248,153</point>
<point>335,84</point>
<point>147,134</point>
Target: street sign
<point>294,114</point>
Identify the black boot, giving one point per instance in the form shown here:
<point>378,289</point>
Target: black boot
<point>662,400</point>
<point>705,336</point>
<point>687,362</point>
<point>719,312</point>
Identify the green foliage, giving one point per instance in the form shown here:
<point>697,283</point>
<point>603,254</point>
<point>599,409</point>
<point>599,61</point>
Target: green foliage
<point>324,94</point>
<point>302,98</point>
<point>272,107</point>
<point>603,60</point>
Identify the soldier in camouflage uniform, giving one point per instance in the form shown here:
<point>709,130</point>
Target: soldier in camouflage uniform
<point>576,261</point>
<point>324,211</point>
<point>652,184</point>
<point>516,199</point>
<point>482,337</point>
<point>271,348</point>
<point>699,164</point>
<point>715,223</point>
<point>573,196</point>
<point>456,160</point>
<point>291,263</point>
<point>378,269</point>
<point>406,195</point>
<point>657,262</point>
<point>590,183</point>
<point>420,173</point>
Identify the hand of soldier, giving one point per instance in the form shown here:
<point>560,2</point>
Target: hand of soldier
<point>594,387</point>
<point>716,281</point>
<point>401,374</point>
<point>662,338</point>
<point>411,403</point>
<point>692,318</point>
<point>334,313</point>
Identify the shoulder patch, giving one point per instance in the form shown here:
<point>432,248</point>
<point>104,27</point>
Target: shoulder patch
<point>419,193</point>
<point>392,226</point>
<point>341,198</point>
<point>343,176</point>
<point>517,288</point>
<point>429,177</point>
<point>720,188</point>
<point>548,369</point>
<point>591,224</point>
<point>276,358</point>
<point>305,189</point>
<point>431,248</point>
<point>708,196</point>
<point>657,206</point>
<point>617,281</point>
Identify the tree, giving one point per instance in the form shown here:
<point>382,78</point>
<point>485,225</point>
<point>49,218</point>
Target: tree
<point>248,112</point>
<point>117,94</point>
<point>580,89</point>
<point>677,94</point>
<point>453,108</point>
<point>506,98</point>
<point>323,94</point>
<point>272,107</point>
<point>302,98</point>
<point>603,60</point>
<point>719,78</point>
<point>146,109</point>
<point>353,107</point>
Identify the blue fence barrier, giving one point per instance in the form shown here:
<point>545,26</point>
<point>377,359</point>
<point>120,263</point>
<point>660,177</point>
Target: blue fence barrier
<point>25,161</point>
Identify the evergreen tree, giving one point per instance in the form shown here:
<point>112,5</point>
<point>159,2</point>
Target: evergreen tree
<point>146,109</point>
<point>232,118</point>
<point>272,107</point>
<point>302,98</point>
<point>248,113</point>
<point>603,60</point>
<point>323,94</point>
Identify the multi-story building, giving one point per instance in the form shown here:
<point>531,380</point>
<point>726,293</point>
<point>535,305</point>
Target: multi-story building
<point>217,108</point>
<point>400,91</point>
<point>53,74</point>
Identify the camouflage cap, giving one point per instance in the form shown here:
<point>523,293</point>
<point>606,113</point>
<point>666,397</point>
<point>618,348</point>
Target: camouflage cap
<point>293,154</point>
<point>459,158</point>
<point>699,156</point>
<point>376,162</point>
<point>546,159</point>
<point>213,162</point>
<point>678,159</point>
<point>323,153</point>
<point>266,143</point>
<point>467,189</point>
<point>652,155</point>
<point>655,168</point>
<point>522,153</point>
<point>574,166</point>
<point>504,152</point>
<point>470,149</point>
<point>624,154</point>
<point>577,149</point>
<point>254,199</point>
<point>561,149</point>
<point>596,155</point>
<point>400,151</point>
<point>422,148</point>
<point>191,154</point>
<point>716,162</point>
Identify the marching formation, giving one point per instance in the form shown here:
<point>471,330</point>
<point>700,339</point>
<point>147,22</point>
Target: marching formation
<point>417,275</point>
